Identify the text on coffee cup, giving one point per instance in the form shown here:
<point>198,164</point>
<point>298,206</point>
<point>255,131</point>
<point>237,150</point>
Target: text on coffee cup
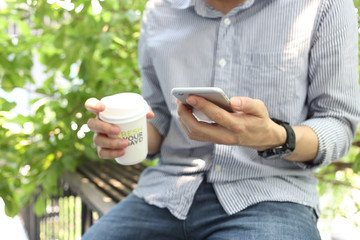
<point>134,136</point>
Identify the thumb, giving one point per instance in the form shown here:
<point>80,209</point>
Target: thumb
<point>249,106</point>
<point>94,105</point>
<point>150,114</point>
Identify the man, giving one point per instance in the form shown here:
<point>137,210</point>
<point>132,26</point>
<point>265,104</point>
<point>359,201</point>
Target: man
<point>291,68</point>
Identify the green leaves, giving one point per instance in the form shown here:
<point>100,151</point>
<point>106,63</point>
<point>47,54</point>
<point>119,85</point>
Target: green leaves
<point>81,55</point>
<point>5,105</point>
<point>40,205</point>
<point>356,166</point>
<point>10,197</point>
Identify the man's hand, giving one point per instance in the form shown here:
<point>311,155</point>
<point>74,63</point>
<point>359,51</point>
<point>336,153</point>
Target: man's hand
<point>107,147</point>
<point>249,125</point>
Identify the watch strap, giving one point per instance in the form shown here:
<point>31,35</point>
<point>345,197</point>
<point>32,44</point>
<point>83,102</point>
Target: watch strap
<point>285,149</point>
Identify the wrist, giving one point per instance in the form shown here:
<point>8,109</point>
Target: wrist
<point>286,148</point>
<point>154,139</point>
<point>275,137</point>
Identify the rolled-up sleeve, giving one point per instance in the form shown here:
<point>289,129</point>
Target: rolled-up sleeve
<point>333,94</point>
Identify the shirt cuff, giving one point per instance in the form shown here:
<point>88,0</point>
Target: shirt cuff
<point>334,137</point>
<point>161,123</point>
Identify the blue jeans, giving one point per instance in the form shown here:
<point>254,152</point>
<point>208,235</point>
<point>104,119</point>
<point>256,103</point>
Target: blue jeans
<point>134,219</point>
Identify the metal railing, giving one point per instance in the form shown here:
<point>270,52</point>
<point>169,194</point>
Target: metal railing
<point>66,218</point>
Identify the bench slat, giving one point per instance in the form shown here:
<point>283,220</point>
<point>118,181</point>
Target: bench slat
<point>129,172</point>
<point>116,176</point>
<point>101,184</point>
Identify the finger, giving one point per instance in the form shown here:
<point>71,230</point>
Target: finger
<point>199,131</point>
<point>104,141</point>
<point>207,132</point>
<point>94,105</point>
<point>214,112</point>
<point>110,153</point>
<point>193,133</point>
<point>96,125</point>
<point>249,106</point>
<point>150,114</point>
<point>185,117</point>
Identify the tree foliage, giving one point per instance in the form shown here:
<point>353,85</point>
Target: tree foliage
<point>84,54</point>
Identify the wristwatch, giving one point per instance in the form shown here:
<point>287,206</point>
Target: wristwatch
<point>284,150</point>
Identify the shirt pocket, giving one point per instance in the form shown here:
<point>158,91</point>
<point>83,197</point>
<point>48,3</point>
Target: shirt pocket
<point>270,77</point>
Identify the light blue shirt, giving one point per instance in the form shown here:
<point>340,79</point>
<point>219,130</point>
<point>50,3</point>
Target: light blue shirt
<point>300,57</point>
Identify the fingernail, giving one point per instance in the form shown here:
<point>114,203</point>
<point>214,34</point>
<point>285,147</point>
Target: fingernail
<point>100,106</point>
<point>123,143</point>
<point>191,101</point>
<point>236,102</point>
<point>120,153</point>
<point>114,130</point>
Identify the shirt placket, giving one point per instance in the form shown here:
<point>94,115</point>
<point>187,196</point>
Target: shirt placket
<point>222,79</point>
<point>223,59</point>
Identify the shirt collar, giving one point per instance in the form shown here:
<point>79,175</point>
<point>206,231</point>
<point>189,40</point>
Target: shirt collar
<point>203,9</point>
<point>182,4</point>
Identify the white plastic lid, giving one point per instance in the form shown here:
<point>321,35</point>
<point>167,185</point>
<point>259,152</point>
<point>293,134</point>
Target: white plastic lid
<point>123,108</point>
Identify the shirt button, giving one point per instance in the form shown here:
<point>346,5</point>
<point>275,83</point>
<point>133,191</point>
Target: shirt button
<point>227,21</point>
<point>222,62</point>
<point>217,168</point>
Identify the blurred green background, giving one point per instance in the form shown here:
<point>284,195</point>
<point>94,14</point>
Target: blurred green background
<point>56,54</point>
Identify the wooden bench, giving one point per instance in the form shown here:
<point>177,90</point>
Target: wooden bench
<point>100,185</point>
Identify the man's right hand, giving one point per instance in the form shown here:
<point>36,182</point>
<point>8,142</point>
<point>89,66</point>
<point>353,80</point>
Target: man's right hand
<point>107,147</point>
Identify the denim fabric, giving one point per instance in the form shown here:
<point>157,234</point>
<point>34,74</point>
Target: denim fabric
<point>300,57</point>
<point>134,219</point>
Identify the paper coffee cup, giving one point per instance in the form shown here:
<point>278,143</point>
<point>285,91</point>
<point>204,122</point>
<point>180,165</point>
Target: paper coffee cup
<point>128,111</point>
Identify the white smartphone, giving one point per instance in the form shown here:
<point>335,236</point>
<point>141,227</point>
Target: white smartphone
<point>213,94</point>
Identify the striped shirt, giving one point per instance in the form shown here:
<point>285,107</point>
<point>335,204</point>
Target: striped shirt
<point>298,56</point>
